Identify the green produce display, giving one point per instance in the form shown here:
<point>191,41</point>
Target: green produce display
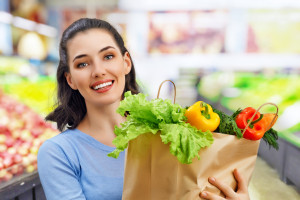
<point>239,90</point>
<point>36,93</point>
<point>292,134</point>
<point>257,89</point>
<point>11,64</point>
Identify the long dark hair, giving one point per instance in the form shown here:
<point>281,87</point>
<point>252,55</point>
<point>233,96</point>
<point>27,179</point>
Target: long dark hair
<point>70,107</point>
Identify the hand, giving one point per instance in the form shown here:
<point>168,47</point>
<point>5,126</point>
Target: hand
<point>240,194</point>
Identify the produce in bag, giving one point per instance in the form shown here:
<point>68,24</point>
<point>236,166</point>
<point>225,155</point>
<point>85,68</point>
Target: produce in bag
<point>168,158</point>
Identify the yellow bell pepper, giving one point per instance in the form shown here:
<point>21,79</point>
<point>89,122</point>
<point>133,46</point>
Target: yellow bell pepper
<point>201,115</point>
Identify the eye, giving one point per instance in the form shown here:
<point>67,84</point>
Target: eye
<point>81,65</point>
<point>108,57</point>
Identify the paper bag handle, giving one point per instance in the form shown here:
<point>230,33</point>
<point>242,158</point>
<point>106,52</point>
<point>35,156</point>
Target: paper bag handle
<point>270,125</point>
<point>161,86</point>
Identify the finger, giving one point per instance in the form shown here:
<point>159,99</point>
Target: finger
<point>227,191</point>
<point>241,182</point>
<point>209,195</point>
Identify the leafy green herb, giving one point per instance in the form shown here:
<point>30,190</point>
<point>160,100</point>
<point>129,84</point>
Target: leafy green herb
<point>238,111</point>
<point>228,124</point>
<point>271,137</point>
<point>159,115</point>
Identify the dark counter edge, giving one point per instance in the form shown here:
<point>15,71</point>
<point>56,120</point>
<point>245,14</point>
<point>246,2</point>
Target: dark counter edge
<point>26,185</point>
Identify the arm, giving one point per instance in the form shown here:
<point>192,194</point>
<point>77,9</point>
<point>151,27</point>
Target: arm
<point>57,175</point>
<point>240,194</point>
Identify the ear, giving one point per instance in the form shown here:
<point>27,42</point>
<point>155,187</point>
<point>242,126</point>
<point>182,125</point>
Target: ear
<point>127,63</point>
<point>69,80</point>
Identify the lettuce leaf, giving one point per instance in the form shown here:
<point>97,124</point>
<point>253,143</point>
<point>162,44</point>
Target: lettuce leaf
<point>185,140</point>
<point>159,115</point>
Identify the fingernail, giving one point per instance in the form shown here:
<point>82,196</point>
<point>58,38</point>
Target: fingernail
<point>203,194</point>
<point>212,179</point>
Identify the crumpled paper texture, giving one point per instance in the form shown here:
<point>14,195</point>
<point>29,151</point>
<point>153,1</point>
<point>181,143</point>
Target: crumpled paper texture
<point>153,173</point>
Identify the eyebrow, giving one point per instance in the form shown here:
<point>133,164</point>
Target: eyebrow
<point>101,50</point>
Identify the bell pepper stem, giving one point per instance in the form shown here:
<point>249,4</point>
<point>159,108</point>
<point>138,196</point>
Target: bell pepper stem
<point>255,121</point>
<point>205,111</point>
<point>260,117</point>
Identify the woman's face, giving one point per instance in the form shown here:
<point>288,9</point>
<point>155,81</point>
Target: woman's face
<point>97,67</point>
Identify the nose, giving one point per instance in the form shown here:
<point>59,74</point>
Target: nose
<point>98,69</point>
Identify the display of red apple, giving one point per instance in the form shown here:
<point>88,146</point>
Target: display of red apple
<point>8,161</point>
<point>34,150</point>
<point>7,176</point>
<point>1,166</point>
<point>14,169</point>
<point>3,148</point>
<point>2,139</point>
<point>18,158</point>
<point>22,131</point>
<point>9,142</point>
<point>23,151</point>
<point>12,150</point>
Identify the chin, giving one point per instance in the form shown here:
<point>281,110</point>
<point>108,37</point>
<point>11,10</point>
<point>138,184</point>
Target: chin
<point>109,99</point>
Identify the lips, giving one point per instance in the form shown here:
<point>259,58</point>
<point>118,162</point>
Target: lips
<point>102,86</point>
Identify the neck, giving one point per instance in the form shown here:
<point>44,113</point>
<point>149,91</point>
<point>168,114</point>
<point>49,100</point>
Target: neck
<point>99,122</point>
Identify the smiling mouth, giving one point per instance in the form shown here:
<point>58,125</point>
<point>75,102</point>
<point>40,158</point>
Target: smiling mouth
<point>103,85</point>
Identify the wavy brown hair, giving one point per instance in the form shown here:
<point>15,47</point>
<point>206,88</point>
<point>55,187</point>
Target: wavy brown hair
<point>70,107</point>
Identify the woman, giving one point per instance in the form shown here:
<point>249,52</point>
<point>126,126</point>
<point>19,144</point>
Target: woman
<point>94,72</point>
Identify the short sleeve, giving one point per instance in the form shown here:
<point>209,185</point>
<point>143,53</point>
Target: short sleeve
<point>57,175</point>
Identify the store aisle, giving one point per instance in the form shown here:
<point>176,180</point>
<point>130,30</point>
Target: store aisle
<point>266,184</point>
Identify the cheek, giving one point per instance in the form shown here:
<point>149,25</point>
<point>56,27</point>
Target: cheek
<point>120,74</point>
<point>119,71</point>
<point>79,78</point>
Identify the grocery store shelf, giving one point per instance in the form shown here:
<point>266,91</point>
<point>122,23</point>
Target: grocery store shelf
<point>245,62</point>
<point>207,4</point>
<point>43,29</point>
<point>79,3</point>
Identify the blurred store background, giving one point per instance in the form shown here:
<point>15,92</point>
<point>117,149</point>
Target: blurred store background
<point>232,54</point>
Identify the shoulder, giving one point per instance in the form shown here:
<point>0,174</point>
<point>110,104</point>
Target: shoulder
<point>61,139</point>
<point>59,150</point>
<point>59,144</point>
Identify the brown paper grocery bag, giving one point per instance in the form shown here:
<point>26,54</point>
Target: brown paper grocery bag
<point>153,173</point>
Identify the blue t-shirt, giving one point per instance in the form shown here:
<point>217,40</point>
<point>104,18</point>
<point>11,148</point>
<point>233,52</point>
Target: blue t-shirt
<point>74,165</point>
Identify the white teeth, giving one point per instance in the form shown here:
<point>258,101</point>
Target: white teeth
<point>102,85</point>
